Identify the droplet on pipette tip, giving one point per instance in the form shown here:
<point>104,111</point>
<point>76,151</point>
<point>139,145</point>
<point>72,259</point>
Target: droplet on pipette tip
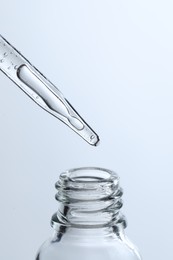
<point>94,140</point>
<point>92,137</point>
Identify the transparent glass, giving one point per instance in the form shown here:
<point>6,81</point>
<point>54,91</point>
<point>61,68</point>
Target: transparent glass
<point>17,68</point>
<point>88,223</point>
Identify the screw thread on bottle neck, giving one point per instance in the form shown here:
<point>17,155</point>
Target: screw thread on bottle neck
<point>89,198</point>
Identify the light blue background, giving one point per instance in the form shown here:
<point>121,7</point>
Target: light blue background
<point>113,60</point>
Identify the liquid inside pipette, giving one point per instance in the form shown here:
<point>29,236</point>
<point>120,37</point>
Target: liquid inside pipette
<point>47,97</point>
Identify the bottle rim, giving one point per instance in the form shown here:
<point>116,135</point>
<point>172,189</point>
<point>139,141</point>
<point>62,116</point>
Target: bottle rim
<point>89,175</point>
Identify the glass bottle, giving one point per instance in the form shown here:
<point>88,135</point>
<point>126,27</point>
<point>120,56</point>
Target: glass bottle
<point>88,224</point>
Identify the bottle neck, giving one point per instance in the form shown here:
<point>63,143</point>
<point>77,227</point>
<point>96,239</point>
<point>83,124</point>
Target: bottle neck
<point>89,199</point>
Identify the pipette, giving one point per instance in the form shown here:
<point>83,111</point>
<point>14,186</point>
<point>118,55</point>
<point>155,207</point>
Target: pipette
<point>42,91</point>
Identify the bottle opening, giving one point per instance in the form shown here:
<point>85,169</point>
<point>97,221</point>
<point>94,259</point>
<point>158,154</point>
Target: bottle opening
<point>90,174</point>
